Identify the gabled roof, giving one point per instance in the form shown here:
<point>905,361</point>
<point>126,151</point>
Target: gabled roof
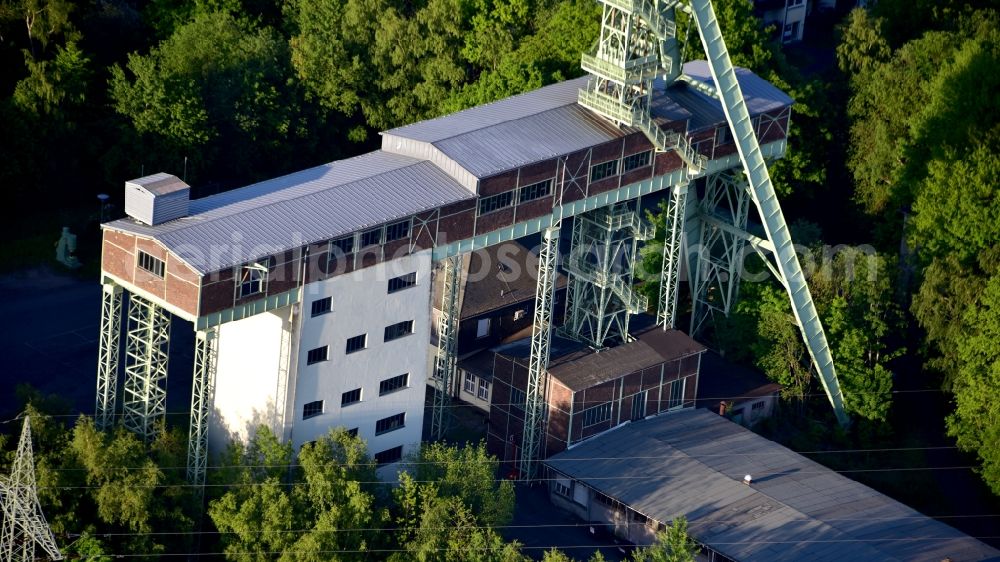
<point>312,205</point>
<point>692,463</point>
<point>160,184</point>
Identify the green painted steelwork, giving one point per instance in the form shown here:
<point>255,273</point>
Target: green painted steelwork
<point>206,346</point>
<point>538,364</point>
<point>766,201</point>
<point>447,345</point>
<point>24,527</point>
<point>146,355</point>
<point>666,308</point>
<point>107,355</point>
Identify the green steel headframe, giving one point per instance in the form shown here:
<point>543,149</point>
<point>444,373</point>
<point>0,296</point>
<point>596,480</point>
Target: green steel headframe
<point>107,355</point>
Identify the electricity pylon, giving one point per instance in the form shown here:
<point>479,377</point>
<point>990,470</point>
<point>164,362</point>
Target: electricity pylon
<point>24,525</point>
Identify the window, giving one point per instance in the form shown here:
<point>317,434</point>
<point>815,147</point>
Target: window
<point>517,398</point>
<point>389,455</point>
<point>317,355</point>
<point>353,432</point>
<point>312,409</point>
<point>535,191</point>
<point>483,328</point>
<point>597,414</point>
<point>371,237</point>
<point>357,343</point>
<point>484,389</point>
<point>252,280</point>
<point>321,306</point>
<point>350,397</point>
<point>398,330</point>
<point>635,161</point>
<point>792,31</point>
<point>721,135</point>
<point>563,487</point>
<point>151,264</point>
<point>676,394</point>
<point>397,231</point>
<point>393,384</point>
<point>496,202</point>
<point>470,383</point>
<point>603,170</point>
<point>759,405</point>
<point>391,423</point>
<point>343,246</point>
<point>402,282</point>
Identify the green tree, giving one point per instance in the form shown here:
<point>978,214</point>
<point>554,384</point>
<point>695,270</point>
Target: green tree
<point>216,90</point>
<point>975,423</point>
<point>672,545</point>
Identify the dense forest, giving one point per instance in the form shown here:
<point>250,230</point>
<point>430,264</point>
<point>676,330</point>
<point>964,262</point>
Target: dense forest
<point>895,150</point>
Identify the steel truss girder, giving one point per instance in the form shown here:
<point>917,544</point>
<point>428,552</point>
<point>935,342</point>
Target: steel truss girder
<point>600,267</point>
<point>107,355</point>
<point>541,336</point>
<point>24,526</point>
<point>666,309</point>
<point>447,345</point>
<point>718,259</point>
<point>146,354</point>
<point>206,354</point>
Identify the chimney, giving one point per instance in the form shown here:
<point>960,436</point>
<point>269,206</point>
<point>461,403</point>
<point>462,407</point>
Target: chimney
<point>157,198</point>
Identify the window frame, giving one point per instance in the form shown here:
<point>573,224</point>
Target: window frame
<point>386,421</point>
<point>310,360</point>
<point>497,202</point>
<point>389,385</point>
<point>637,161</point>
<point>596,415</point>
<point>155,265</point>
<point>344,396</point>
<point>391,235</point>
<point>398,330</point>
<point>521,395</point>
<point>312,412</point>
<point>364,343</point>
<point>483,392</point>
<point>247,280</point>
<point>325,307</point>
<point>396,454</point>
<point>604,170</point>
<point>676,403</point>
<point>537,190</point>
<point>469,384</point>
<point>379,231</point>
<point>402,282</point>
<point>480,334</point>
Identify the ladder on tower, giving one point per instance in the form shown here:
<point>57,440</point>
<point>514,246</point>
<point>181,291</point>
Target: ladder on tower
<point>762,192</point>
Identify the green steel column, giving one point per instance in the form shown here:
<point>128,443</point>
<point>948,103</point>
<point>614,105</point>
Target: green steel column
<point>206,345</point>
<point>146,354</point>
<point>447,345</point>
<point>666,309</point>
<point>541,336</point>
<point>107,355</point>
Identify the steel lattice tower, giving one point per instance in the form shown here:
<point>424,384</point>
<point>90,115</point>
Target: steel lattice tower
<point>601,263</point>
<point>24,525</point>
<point>447,346</point>
<point>146,353</point>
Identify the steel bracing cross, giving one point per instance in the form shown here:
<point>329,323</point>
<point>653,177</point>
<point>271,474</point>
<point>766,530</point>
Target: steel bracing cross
<point>666,305</point>
<point>541,337</point>
<point>717,263</point>
<point>601,263</point>
<point>447,346</point>
<point>107,355</point>
<point>786,263</point>
<point>146,354</point>
<point>24,527</point>
<point>206,345</point>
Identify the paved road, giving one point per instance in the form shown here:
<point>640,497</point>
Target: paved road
<point>538,525</point>
<point>48,339</point>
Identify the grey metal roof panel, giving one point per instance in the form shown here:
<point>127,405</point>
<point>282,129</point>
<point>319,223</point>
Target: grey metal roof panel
<point>796,510</point>
<point>308,206</point>
<point>161,183</point>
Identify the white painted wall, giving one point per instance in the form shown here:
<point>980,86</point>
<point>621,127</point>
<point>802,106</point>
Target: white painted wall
<point>361,304</point>
<point>247,380</point>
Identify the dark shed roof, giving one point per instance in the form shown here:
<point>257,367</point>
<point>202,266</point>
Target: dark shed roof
<point>692,463</point>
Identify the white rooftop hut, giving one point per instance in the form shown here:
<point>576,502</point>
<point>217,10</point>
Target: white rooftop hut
<point>157,198</point>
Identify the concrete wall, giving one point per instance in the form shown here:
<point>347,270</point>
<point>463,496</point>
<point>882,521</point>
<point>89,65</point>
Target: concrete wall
<point>362,305</point>
<point>249,381</point>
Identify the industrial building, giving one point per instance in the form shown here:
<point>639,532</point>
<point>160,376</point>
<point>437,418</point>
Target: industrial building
<point>695,464</point>
<point>311,296</point>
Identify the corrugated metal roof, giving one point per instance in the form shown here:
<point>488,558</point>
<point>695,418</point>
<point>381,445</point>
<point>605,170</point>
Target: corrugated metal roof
<point>308,206</point>
<point>160,184</point>
<point>692,463</point>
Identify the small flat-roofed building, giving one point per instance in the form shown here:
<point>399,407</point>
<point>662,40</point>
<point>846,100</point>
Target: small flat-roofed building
<point>591,392</point>
<point>740,393</point>
<point>693,464</point>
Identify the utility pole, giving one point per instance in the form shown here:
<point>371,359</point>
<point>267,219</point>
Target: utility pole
<point>24,525</point>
